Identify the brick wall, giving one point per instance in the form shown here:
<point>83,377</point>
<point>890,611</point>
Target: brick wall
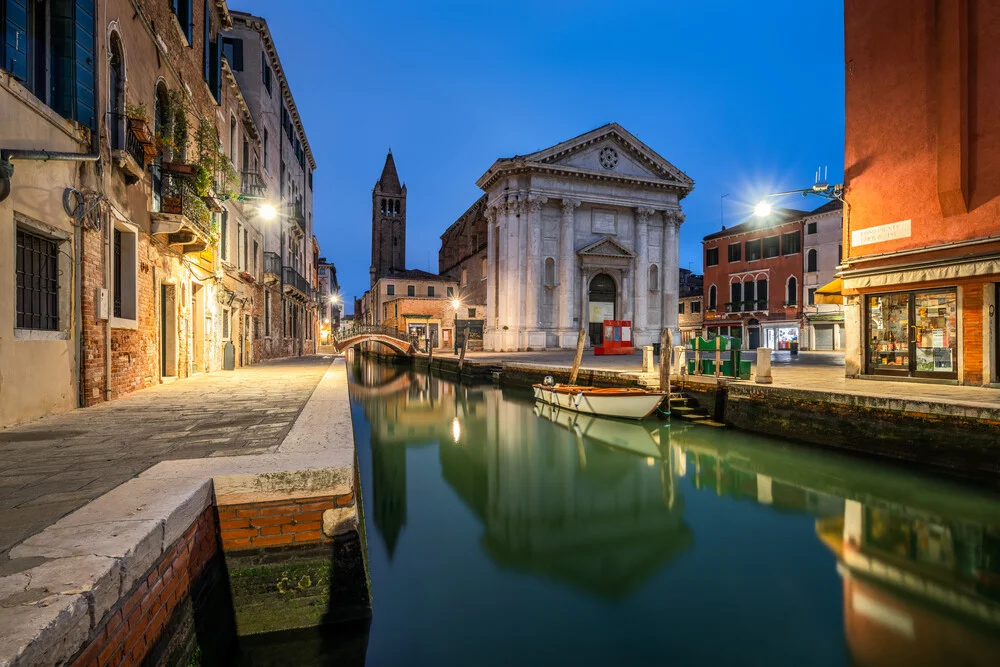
<point>134,626</point>
<point>276,523</point>
<point>972,333</point>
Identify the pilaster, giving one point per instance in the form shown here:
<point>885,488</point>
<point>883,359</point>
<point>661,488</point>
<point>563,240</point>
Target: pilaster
<point>672,220</point>
<point>533,338</point>
<point>640,322</point>
<point>567,273</point>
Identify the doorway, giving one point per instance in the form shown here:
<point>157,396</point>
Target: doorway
<point>247,343</point>
<point>913,334</point>
<point>603,305</point>
<point>198,321</point>
<point>753,334</point>
<point>168,330</point>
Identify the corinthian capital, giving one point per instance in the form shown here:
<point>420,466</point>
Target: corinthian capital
<point>643,213</point>
<point>674,217</point>
<point>568,205</point>
<point>535,203</point>
<point>513,205</point>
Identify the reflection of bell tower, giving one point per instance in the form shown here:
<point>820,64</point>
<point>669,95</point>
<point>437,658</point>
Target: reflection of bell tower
<point>389,491</point>
<point>388,223</point>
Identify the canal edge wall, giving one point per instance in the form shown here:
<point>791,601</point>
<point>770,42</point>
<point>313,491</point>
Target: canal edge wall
<point>958,439</point>
<point>111,574</point>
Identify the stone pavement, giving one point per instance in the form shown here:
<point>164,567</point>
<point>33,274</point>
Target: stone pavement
<point>55,465</point>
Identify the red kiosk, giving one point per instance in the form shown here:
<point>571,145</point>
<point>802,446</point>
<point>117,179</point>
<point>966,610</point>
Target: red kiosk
<point>617,338</point>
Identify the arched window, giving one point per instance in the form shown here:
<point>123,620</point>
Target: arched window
<point>811,260</point>
<point>713,298</point>
<point>550,272</point>
<point>654,278</point>
<point>116,92</point>
<point>396,211</point>
<point>382,208</point>
<point>793,291</point>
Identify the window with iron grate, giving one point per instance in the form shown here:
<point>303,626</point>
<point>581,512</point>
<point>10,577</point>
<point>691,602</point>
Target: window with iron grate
<point>37,272</point>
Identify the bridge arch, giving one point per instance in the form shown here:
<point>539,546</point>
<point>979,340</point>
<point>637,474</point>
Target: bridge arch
<point>395,340</point>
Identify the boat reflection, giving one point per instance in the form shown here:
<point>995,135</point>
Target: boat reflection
<point>598,504</point>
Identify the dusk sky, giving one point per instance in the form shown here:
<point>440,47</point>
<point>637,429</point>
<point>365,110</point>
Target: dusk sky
<point>745,98</point>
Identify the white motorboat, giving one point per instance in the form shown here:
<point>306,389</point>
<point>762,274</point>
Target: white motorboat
<point>606,401</point>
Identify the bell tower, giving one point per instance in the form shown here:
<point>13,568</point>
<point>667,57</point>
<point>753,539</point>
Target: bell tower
<point>388,223</point>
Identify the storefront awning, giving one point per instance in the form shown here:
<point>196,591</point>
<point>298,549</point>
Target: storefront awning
<point>832,292</point>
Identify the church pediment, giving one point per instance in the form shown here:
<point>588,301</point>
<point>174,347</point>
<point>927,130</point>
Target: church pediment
<point>614,151</point>
<point>606,248</point>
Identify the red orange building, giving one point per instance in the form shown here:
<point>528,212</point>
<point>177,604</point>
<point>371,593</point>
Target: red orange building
<point>753,280</point>
<point>922,165</point>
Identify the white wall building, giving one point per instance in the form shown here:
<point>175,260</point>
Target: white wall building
<point>822,250</point>
<point>584,231</point>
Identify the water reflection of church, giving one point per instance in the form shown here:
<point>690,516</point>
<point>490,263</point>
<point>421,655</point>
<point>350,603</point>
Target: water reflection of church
<point>597,505</point>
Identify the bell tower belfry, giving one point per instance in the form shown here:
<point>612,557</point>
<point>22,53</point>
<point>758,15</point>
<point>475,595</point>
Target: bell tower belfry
<point>388,223</point>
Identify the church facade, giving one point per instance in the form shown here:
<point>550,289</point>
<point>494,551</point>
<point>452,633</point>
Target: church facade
<point>580,232</point>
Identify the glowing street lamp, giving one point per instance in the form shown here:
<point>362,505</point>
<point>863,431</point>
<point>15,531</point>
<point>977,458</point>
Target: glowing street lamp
<point>762,209</point>
<point>267,212</point>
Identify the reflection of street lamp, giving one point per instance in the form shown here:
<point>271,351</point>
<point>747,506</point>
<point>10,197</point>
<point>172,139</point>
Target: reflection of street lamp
<point>455,304</point>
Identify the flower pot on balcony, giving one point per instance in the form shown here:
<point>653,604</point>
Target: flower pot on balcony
<point>171,205</point>
<point>247,276</point>
<point>213,203</point>
<point>180,168</point>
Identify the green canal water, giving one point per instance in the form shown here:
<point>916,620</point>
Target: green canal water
<point>503,533</point>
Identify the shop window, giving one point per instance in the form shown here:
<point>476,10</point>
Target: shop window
<point>37,279</point>
<point>913,334</point>
<point>752,249</point>
<point>734,252</point>
<point>124,273</point>
<point>791,243</point>
<point>811,261</point>
<point>771,247</point>
<point>711,257</point>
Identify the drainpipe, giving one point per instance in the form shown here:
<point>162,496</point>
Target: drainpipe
<point>78,315</point>
<point>107,322</point>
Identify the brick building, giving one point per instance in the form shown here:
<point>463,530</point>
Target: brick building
<point>462,256</point>
<point>753,280</point>
<point>921,250</point>
<point>416,303</point>
<point>139,250</point>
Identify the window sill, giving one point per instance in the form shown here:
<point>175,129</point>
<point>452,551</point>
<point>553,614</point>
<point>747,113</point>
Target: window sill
<point>40,335</point>
<point>124,323</point>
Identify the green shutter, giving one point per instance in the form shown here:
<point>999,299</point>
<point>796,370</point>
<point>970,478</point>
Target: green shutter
<point>73,60</point>
<point>15,44</point>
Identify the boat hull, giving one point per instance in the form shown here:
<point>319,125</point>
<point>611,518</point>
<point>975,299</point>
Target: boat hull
<point>625,405</point>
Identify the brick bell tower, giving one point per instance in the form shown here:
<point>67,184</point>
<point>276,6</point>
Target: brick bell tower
<point>388,223</point>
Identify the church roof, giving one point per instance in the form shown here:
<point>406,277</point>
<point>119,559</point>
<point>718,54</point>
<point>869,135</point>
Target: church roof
<point>389,180</point>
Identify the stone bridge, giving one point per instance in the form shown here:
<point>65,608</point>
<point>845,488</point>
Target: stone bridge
<point>390,337</point>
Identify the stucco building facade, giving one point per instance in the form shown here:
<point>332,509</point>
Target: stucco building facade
<point>921,251</point>
<point>580,232</point>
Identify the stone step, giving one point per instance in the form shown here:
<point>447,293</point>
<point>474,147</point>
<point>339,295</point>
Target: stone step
<point>694,417</point>
<point>709,422</point>
<point>682,410</point>
<point>680,402</point>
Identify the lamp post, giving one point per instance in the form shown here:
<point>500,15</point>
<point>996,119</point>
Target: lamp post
<point>821,189</point>
<point>454,305</point>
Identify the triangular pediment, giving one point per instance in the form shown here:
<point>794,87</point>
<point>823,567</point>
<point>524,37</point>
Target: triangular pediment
<point>606,247</point>
<point>612,150</point>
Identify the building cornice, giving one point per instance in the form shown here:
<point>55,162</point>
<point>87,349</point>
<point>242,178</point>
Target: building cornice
<point>501,169</point>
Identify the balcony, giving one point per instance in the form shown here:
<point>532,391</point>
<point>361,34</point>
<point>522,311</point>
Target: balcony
<point>751,306</point>
<point>298,216</point>
<point>132,145</point>
<point>182,222</point>
<point>294,282</point>
<point>252,184</point>
<point>272,267</point>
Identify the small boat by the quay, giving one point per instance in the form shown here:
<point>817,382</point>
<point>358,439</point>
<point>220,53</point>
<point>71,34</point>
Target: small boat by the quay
<point>621,402</point>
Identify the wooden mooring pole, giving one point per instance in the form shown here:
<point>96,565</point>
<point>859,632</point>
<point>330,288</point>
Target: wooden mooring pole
<point>666,348</point>
<point>461,356</point>
<point>578,359</point>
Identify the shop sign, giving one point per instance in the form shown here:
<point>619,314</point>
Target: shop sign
<point>890,232</point>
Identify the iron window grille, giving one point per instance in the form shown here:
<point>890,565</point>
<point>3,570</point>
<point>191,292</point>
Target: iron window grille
<point>37,269</point>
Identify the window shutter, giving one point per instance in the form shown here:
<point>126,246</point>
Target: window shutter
<point>15,53</point>
<point>206,53</point>
<point>215,75</point>
<point>73,60</point>
<point>232,48</point>
<point>189,21</point>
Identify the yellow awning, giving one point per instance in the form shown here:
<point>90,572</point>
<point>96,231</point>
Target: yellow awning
<point>831,293</point>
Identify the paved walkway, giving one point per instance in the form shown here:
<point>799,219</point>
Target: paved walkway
<point>55,465</point>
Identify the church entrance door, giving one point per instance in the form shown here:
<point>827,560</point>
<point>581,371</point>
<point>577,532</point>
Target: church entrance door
<point>603,303</point>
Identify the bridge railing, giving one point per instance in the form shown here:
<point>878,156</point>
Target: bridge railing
<point>374,330</point>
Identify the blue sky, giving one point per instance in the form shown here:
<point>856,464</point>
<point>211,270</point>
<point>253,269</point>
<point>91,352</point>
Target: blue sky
<point>744,97</point>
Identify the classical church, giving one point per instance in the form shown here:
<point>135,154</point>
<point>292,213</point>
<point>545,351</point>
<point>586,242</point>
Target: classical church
<point>577,233</point>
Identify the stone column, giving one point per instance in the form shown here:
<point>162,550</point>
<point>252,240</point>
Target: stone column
<point>500,256</point>
<point>625,298</point>
<point>532,283</point>
<point>585,301</point>
<point>641,322</point>
<point>513,282</point>
<point>567,272</point>
<point>491,283</point>
<point>671,269</point>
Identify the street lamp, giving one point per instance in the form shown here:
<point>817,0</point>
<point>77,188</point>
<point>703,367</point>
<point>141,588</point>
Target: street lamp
<point>455,304</point>
<point>820,189</point>
<point>267,212</point>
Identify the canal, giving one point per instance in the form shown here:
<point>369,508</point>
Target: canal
<point>502,533</point>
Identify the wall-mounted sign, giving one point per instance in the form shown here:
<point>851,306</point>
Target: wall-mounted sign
<point>890,232</point>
